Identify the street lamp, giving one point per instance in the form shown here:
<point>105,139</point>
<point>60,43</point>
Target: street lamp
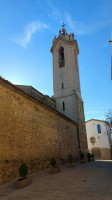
<point>110,41</point>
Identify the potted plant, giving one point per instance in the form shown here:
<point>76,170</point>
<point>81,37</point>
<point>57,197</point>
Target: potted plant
<point>24,180</point>
<point>89,157</point>
<point>82,158</point>
<point>70,160</point>
<point>54,167</point>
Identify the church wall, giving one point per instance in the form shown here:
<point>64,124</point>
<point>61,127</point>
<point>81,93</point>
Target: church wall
<point>70,111</point>
<point>76,113</point>
<point>31,132</point>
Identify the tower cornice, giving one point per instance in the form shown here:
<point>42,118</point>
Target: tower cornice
<point>62,38</point>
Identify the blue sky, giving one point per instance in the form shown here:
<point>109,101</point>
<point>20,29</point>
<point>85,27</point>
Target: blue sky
<point>27,28</point>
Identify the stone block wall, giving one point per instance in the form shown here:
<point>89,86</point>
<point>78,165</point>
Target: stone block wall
<point>105,153</point>
<point>81,126</point>
<point>31,132</point>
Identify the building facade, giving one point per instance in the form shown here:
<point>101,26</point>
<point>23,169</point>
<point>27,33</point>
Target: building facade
<point>98,133</point>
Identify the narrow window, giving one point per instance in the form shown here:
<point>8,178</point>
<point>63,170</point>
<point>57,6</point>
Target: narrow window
<point>99,128</point>
<point>62,85</point>
<point>63,106</point>
<point>61,57</point>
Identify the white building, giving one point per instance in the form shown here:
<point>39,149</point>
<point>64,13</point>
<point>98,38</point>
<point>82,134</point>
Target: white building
<point>98,133</point>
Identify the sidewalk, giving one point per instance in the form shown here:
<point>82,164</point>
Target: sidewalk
<point>89,181</point>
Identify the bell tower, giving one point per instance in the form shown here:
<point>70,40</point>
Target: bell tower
<point>66,81</point>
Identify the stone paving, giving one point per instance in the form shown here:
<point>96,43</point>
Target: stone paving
<point>89,181</point>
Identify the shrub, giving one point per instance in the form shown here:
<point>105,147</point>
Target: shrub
<point>53,162</point>
<point>70,158</point>
<point>82,156</point>
<point>89,157</point>
<point>23,170</point>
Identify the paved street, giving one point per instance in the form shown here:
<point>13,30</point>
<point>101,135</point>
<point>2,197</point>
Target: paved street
<point>90,181</point>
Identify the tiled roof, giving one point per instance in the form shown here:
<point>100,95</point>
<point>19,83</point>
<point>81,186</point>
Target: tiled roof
<point>27,95</point>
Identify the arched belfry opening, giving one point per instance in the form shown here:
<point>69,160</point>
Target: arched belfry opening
<point>61,57</point>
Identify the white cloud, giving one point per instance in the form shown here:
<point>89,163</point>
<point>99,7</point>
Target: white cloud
<point>55,14</point>
<point>79,27</point>
<point>93,112</point>
<point>30,29</point>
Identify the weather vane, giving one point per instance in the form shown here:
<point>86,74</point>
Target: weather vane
<point>63,25</point>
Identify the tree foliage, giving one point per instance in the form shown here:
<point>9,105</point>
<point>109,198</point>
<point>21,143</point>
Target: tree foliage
<point>109,116</point>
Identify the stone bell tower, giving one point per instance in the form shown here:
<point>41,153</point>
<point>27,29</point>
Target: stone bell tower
<point>66,81</point>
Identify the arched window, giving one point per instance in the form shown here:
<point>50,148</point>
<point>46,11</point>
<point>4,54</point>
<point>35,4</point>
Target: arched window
<point>61,57</point>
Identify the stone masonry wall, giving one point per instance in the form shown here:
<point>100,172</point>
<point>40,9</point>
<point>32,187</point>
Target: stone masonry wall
<point>31,132</point>
<point>105,153</point>
<point>81,126</point>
